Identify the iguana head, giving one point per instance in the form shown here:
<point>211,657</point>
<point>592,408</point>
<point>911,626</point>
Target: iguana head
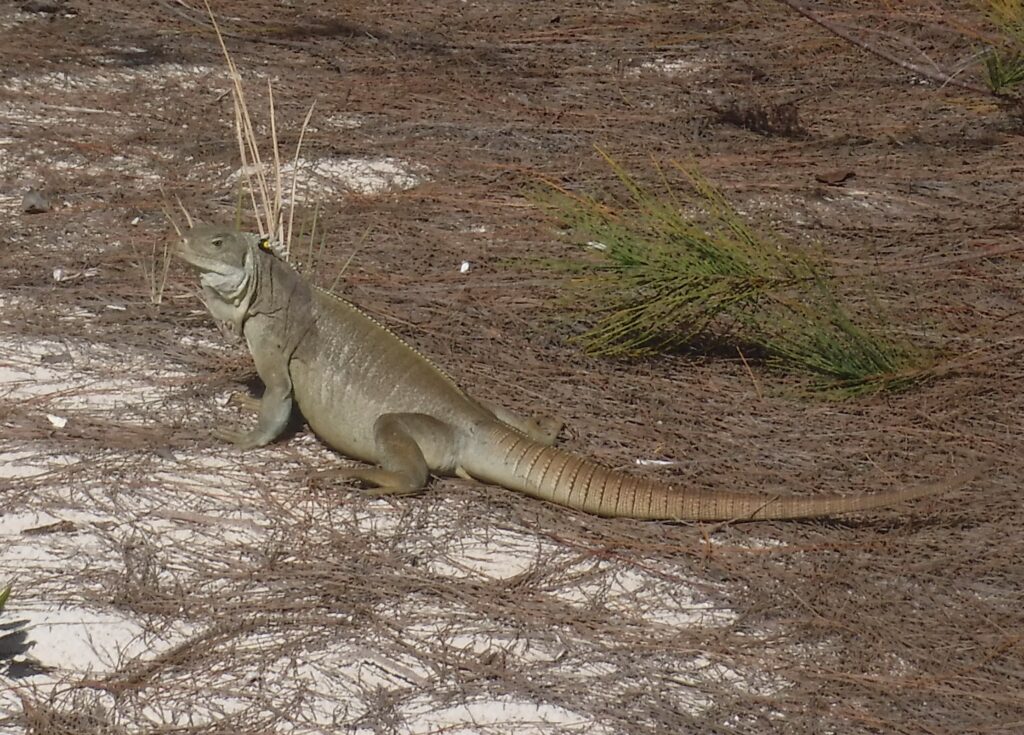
<point>224,256</point>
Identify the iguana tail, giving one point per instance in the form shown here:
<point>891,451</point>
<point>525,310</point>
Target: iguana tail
<point>503,456</point>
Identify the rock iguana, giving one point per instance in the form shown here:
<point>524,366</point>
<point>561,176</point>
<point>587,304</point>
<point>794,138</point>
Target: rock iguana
<point>371,396</point>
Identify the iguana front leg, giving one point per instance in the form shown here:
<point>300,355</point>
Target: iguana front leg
<point>275,408</point>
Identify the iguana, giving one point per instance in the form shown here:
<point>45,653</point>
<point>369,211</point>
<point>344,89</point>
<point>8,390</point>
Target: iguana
<point>371,396</point>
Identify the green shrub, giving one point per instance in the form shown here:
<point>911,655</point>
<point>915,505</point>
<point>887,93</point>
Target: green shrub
<point>685,267</point>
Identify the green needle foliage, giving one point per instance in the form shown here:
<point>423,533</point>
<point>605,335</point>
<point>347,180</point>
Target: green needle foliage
<point>1004,73</point>
<point>1005,67</point>
<point>685,267</point>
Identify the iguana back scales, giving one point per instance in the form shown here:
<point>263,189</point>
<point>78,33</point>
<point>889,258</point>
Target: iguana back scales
<point>371,396</point>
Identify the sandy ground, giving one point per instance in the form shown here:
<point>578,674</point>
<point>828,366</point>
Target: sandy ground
<point>170,583</point>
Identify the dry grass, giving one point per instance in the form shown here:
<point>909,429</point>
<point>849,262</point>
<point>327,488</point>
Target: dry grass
<point>248,579</point>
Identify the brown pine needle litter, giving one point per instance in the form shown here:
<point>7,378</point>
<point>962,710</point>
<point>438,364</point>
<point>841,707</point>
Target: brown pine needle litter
<point>227,592</point>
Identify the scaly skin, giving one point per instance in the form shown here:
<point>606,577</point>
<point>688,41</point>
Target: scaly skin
<point>372,397</point>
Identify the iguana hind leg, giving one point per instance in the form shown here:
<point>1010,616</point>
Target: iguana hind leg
<point>540,428</point>
<point>405,443</point>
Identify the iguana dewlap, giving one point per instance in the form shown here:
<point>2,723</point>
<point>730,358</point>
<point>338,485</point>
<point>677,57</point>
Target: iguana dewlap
<point>372,397</point>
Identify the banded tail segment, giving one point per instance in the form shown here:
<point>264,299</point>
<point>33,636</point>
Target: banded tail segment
<point>502,456</point>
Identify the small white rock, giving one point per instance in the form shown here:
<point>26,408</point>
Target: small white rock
<point>58,274</point>
<point>464,268</point>
<point>59,421</point>
<point>656,462</point>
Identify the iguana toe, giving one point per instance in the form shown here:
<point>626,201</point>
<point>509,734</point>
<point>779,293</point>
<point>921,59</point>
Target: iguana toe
<point>546,429</point>
<point>244,400</point>
<point>241,439</point>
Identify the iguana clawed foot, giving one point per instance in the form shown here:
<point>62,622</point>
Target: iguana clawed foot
<point>246,401</point>
<point>240,438</point>
<point>274,409</point>
<point>380,482</point>
<point>544,429</point>
<point>540,428</point>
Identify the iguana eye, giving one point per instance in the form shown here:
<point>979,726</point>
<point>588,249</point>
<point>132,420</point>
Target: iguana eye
<point>217,241</point>
<point>264,245</point>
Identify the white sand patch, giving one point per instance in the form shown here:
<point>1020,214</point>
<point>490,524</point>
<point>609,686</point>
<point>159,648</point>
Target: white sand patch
<point>501,555</point>
<point>510,715</point>
<point>382,520</point>
<point>204,516</point>
<point>114,80</point>
<point>127,166</point>
<point>18,560</point>
<point>15,19</point>
<point>878,201</point>
<point>23,464</point>
<point>88,98</point>
<point>29,165</point>
<point>670,67</point>
<point>218,484</point>
<point>12,524</point>
<point>206,343</point>
<point>37,548</point>
<point>22,116</point>
<point>71,642</point>
<point>750,542</point>
<point>69,376</point>
<point>635,593</point>
<point>81,640</point>
<point>487,642</point>
<point>80,392</point>
<point>339,682</point>
<point>10,205</point>
<point>322,177</point>
<point>344,122</point>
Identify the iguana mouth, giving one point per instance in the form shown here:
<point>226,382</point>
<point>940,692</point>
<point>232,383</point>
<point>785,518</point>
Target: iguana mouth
<point>207,263</point>
<point>180,247</point>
